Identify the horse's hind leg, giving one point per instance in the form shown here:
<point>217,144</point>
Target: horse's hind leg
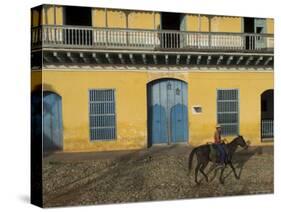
<point>204,165</point>
<point>196,172</point>
<point>221,176</point>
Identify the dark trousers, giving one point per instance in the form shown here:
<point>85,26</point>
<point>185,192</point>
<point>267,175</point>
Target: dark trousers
<point>221,152</point>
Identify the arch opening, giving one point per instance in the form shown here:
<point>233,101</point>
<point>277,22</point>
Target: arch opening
<point>267,114</point>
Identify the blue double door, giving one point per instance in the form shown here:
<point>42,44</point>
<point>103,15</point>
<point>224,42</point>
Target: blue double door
<point>167,112</point>
<point>52,122</point>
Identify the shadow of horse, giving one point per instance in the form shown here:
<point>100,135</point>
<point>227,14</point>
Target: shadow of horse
<point>239,160</point>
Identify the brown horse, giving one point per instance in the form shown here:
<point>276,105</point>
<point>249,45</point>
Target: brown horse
<point>203,157</point>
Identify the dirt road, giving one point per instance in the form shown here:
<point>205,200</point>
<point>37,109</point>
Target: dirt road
<point>159,173</point>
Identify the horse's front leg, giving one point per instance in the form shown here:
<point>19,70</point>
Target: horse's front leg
<point>221,176</point>
<point>234,171</point>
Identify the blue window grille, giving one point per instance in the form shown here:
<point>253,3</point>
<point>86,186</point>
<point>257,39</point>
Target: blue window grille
<point>228,111</point>
<point>102,114</point>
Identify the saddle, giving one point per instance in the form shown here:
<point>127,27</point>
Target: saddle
<point>215,154</point>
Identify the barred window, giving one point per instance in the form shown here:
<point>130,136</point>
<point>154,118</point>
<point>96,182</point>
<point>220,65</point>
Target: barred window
<point>102,114</point>
<point>228,111</point>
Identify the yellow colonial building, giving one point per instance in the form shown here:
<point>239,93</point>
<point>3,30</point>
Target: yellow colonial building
<point>116,79</point>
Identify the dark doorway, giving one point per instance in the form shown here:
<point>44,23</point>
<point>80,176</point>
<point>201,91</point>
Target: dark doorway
<point>78,16</point>
<point>249,27</point>
<point>267,114</point>
<point>170,21</point>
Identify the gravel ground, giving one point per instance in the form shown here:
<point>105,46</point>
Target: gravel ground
<point>159,173</point>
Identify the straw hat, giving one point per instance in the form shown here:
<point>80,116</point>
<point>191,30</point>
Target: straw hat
<point>218,126</point>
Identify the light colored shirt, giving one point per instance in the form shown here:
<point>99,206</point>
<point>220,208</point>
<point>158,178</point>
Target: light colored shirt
<point>217,137</point>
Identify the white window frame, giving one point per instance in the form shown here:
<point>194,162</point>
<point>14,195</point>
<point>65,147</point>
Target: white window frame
<point>236,112</point>
<point>92,102</point>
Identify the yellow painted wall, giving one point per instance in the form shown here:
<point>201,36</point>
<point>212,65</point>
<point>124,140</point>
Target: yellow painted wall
<point>131,110</point>
<point>36,80</point>
<point>59,15</point>
<point>226,24</point>
<point>270,25</point>
<point>141,20</point>
<point>218,23</point>
<point>116,18</point>
<point>157,20</point>
<point>98,18</point>
<point>35,13</point>
<point>202,91</point>
<point>192,23</point>
<point>47,15</point>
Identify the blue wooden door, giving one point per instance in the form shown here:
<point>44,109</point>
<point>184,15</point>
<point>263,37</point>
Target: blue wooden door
<point>167,100</point>
<point>158,107</point>
<point>178,112</point>
<point>52,122</point>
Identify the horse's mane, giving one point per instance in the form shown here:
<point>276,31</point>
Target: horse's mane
<point>235,139</point>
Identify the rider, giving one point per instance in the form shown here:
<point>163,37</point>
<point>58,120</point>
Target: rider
<point>219,144</point>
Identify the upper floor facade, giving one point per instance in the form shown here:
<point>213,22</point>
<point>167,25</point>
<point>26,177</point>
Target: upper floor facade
<point>107,35</point>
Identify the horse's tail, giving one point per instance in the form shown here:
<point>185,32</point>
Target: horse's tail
<point>191,158</point>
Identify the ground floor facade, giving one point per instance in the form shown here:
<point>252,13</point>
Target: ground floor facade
<point>109,109</point>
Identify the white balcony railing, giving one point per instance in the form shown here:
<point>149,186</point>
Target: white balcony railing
<point>89,37</point>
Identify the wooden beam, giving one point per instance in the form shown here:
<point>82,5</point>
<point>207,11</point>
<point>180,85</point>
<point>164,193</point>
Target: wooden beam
<point>132,59</point>
<point>188,57</point>
<point>259,60</point>
<point>249,60</point>
<point>239,60</point>
<point>109,58</point>
<point>120,56</point>
<point>178,59</point>
<point>219,60</point>
<point>155,59</point>
<point>70,57</point>
<point>96,58</point>
<point>82,56</point>
<point>144,58</point>
<point>167,59</point>
<point>230,58</point>
<point>209,59</point>
<point>56,55</point>
<point>45,57</point>
<point>198,59</point>
<point>268,60</point>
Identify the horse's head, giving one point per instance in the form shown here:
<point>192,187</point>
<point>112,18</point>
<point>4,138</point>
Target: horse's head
<point>241,142</point>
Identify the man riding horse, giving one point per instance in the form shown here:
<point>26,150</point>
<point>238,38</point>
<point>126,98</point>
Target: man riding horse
<point>219,145</point>
<point>204,155</point>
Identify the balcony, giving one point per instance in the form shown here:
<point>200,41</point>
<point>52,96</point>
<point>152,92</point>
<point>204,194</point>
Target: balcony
<point>88,37</point>
<point>212,48</point>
